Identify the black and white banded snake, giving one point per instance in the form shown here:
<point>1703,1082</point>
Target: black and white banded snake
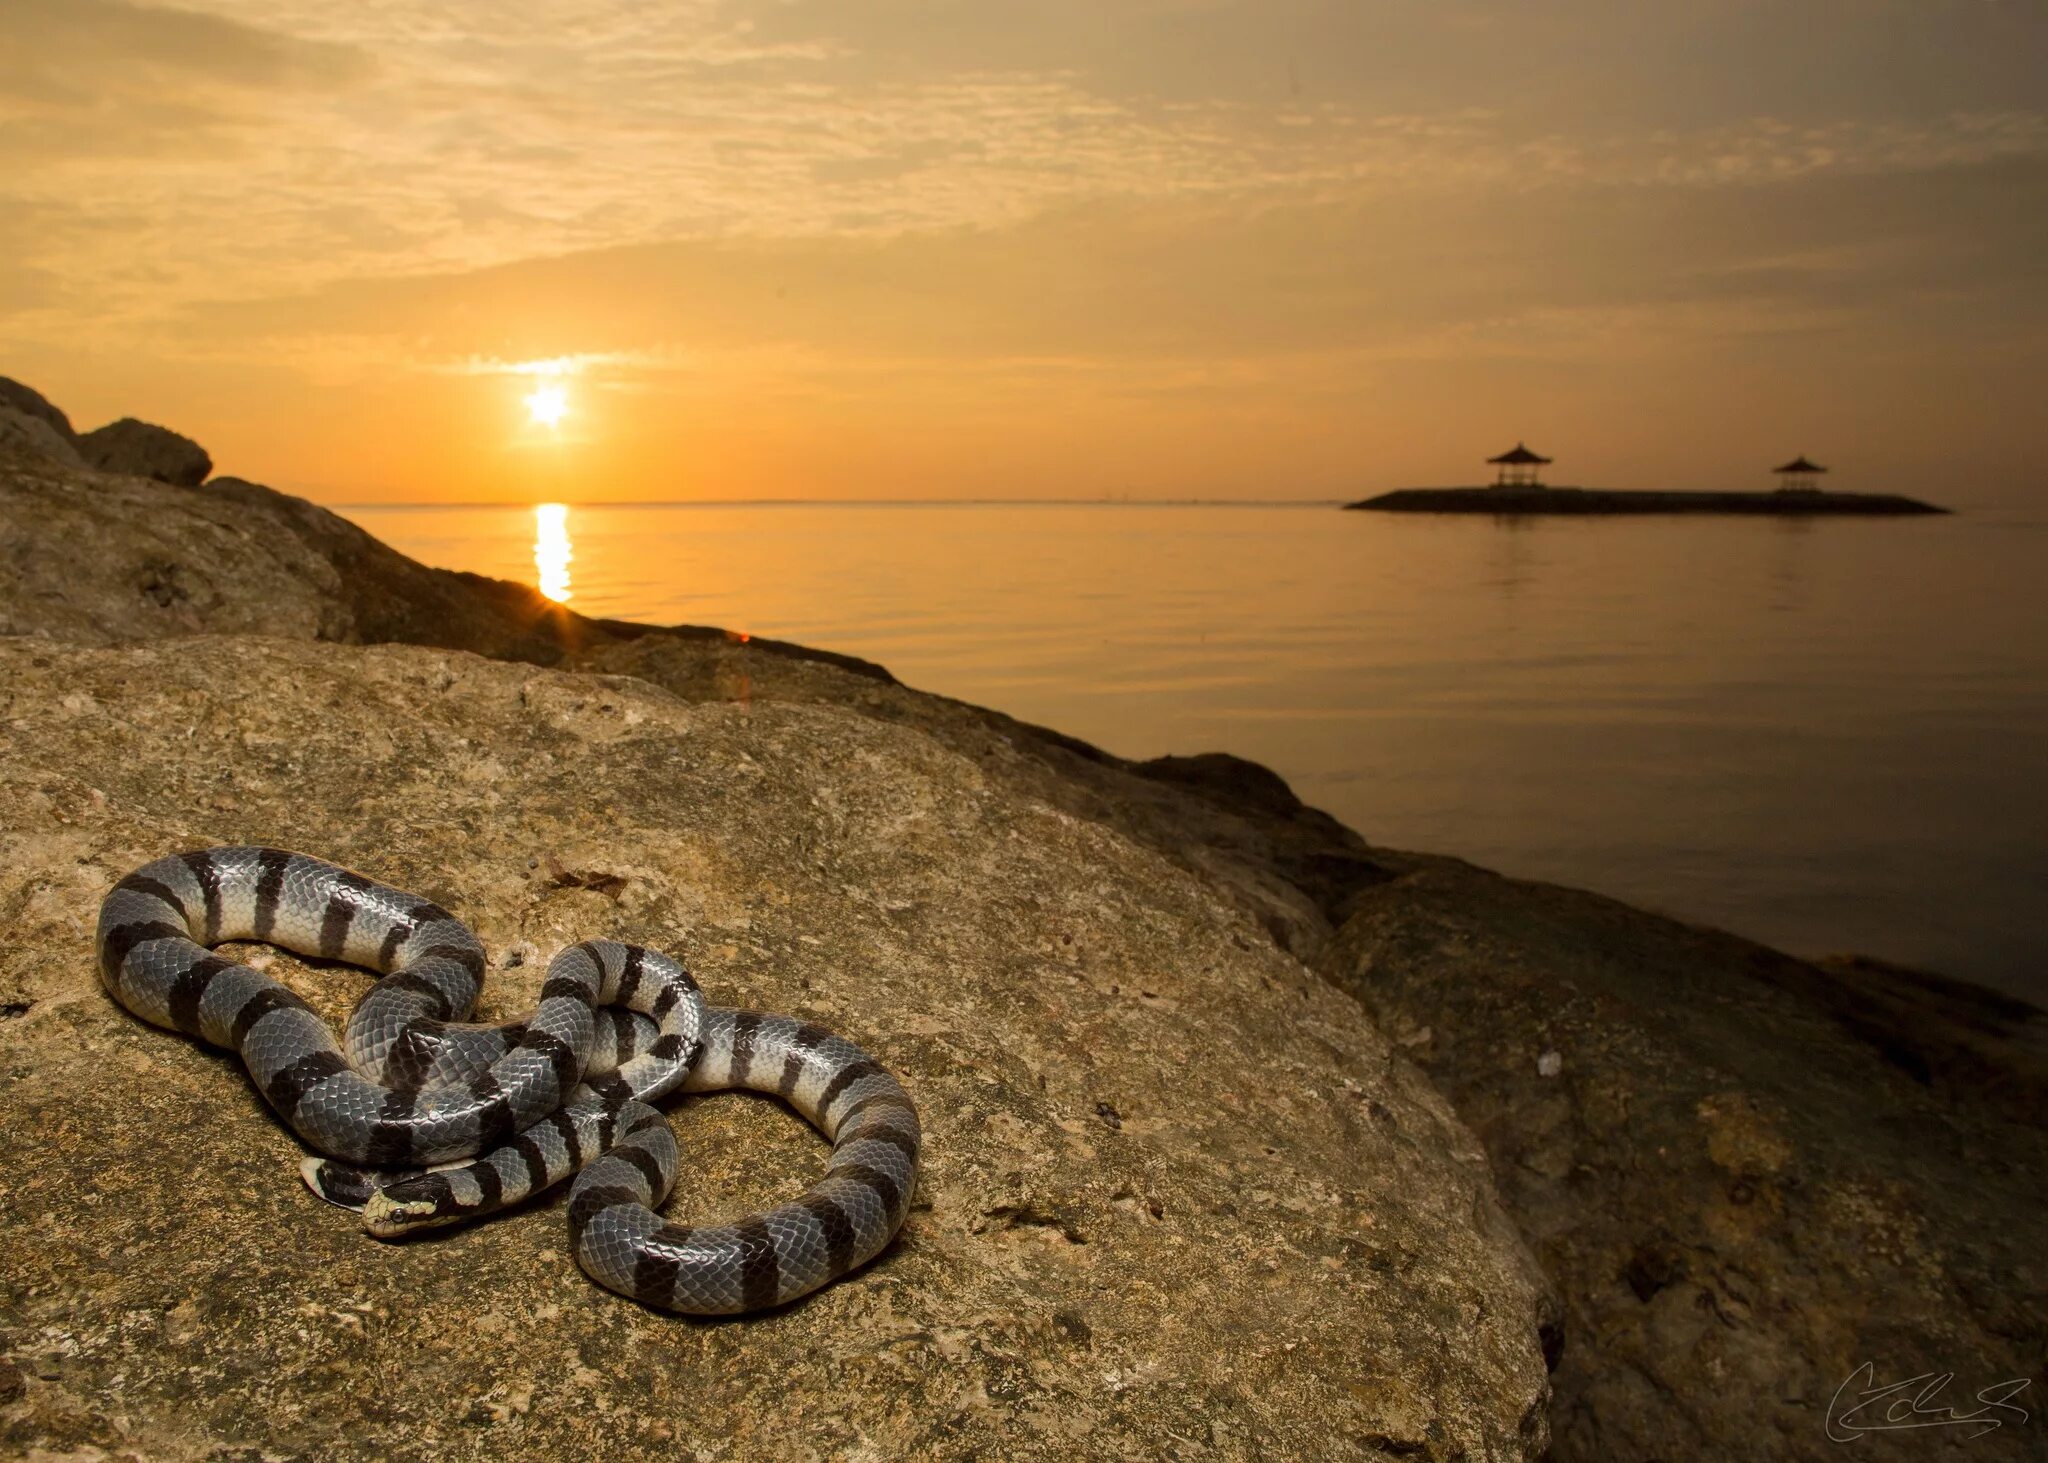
<point>427,1119</point>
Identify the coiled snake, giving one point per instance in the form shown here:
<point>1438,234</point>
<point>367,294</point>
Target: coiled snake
<point>428,1119</point>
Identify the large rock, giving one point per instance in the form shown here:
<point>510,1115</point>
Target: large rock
<point>20,431</point>
<point>144,450</point>
<point>1750,1177</point>
<point>1181,1196</point>
<point>235,557</point>
<point>162,561</point>
<point>32,403</point>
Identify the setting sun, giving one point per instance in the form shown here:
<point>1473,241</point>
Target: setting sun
<point>547,404</point>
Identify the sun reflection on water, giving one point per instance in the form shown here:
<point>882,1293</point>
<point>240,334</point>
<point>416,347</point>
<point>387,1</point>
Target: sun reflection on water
<point>551,549</point>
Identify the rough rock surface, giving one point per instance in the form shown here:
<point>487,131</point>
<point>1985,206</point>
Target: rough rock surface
<point>1181,1197</point>
<point>1284,863</point>
<point>233,556</point>
<point>144,450</point>
<point>1748,1176</point>
<point>163,561</point>
<point>20,430</point>
<point>30,402</point>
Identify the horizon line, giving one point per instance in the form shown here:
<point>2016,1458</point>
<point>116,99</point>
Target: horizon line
<point>858,503</point>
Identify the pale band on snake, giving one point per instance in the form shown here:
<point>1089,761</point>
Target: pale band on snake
<point>428,1119</point>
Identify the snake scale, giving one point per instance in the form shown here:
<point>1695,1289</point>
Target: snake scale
<point>429,1119</point>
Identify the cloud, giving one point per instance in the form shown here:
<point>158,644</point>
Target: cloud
<point>419,170</point>
<point>67,50</point>
<point>578,364</point>
<point>1116,198</point>
<point>365,140</point>
<point>97,80</point>
<point>1145,285</point>
<point>28,289</point>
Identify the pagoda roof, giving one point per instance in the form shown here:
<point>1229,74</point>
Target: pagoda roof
<point>1800,464</point>
<point>1519,456</point>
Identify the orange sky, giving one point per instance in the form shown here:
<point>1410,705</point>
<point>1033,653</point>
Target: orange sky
<point>881,248</point>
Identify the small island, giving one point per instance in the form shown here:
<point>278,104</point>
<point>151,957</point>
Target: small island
<point>1517,490</point>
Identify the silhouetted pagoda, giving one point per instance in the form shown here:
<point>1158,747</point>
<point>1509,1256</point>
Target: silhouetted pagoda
<point>1517,491</point>
<point>1797,476</point>
<point>1518,468</point>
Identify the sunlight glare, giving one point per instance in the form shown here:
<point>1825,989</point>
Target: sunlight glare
<point>551,549</point>
<point>548,403</point>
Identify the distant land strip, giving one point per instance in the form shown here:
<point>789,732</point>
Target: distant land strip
<point>1618,500</point>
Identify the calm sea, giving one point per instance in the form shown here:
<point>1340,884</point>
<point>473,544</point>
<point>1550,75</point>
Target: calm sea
<point>1828,735</point>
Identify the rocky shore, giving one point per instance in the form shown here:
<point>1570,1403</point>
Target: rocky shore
<point>1246,1138</point>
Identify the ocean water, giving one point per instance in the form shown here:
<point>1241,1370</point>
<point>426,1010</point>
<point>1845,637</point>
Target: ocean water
<point>1825,734</point>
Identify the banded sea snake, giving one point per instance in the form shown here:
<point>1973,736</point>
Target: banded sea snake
<point>427,1119</point>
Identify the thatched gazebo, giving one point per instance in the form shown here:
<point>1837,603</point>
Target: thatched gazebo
<point>1797,476</point>
<point>1518,468</point>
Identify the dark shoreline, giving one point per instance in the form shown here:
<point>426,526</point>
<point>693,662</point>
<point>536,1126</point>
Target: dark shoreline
<point>1620,500</point>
